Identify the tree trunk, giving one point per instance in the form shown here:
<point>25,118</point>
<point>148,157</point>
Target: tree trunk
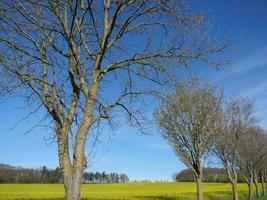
<point>72,173</point>
<point>234,190</point>
<point>263,186</point>
<point>64,159</point>
<point>199,188</point>
<point>67,184</point>
<point>72,182</point>
<point>256,183</point>
<point>199,184</point>
<point>232,177</point>
<point>250,187</point>
<point>76,184</point>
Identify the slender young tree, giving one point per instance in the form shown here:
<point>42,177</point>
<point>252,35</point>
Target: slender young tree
<point>81,60</point>
<point>237,117</point>
<point>262,170</point>
<point>256,182</point>
<point>251,150</point>
<point>188,119</point>
<point>262,181</point>
<point>263,177</point>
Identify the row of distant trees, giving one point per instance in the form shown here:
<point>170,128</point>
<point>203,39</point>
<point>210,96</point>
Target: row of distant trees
<point>97,177</point>
<point>211,175</point>
<point>10,174</point>
<point>199,123</point>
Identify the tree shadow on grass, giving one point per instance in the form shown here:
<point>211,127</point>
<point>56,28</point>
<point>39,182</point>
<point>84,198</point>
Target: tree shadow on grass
<point>133,198</point>
<point>207,196</point>
<point>160,198</point>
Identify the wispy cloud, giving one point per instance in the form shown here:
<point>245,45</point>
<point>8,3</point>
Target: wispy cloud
<point>255,60</point>
<point>159,147</point>
<point>255,90</point>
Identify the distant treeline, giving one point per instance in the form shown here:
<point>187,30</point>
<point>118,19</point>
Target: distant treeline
<point>10,174</point>
<point>91,177</point>
<point>209,175</point>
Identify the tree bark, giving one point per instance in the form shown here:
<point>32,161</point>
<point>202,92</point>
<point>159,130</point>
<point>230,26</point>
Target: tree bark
<point>232,177</point>
<point>76,184</point>
<point>256,183</point>
<point>199,184</point>
<point>64,159</point>
<point>234,190</point>
<point>250,187</point>
<point>72,173</point>
<point>72,181</point>
<point>67,184</point>
<point>199,188</point>
<point>263,186</point>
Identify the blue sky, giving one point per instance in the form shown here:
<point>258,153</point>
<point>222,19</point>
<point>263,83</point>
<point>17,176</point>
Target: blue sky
<point>148,156</point>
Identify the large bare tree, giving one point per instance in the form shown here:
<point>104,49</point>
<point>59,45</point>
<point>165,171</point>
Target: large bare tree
<point>237,117</point>
<point>83,59</point>
<point>189,120</point>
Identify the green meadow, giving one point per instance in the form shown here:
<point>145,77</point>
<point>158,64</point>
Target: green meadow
<point>123,191</point>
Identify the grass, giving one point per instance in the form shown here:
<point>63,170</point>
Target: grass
<point>126,191</point>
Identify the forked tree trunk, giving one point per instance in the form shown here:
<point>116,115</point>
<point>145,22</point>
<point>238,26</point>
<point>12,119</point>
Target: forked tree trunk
<point>256,183</point>
<point>72,173</point>
<point>72,182</point>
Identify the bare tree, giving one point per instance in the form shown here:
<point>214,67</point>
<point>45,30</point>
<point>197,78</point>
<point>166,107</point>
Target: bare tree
<point>256,182</point>
<point>263,176</point>
<point>262,169</point>
<point>237,117</point>
<point>251,150</point>
<point>188,120</point>
<point>83,60</point>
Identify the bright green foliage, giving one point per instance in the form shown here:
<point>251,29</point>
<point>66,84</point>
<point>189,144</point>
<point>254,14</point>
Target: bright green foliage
<point>123,191</point>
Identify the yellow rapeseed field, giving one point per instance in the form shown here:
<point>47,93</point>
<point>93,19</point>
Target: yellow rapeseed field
<point>126,191</point>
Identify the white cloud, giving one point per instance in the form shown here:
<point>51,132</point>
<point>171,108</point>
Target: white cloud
<point>255,60</point>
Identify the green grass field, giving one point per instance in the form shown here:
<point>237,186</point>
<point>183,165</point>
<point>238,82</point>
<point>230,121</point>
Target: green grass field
<point>127,191</point>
